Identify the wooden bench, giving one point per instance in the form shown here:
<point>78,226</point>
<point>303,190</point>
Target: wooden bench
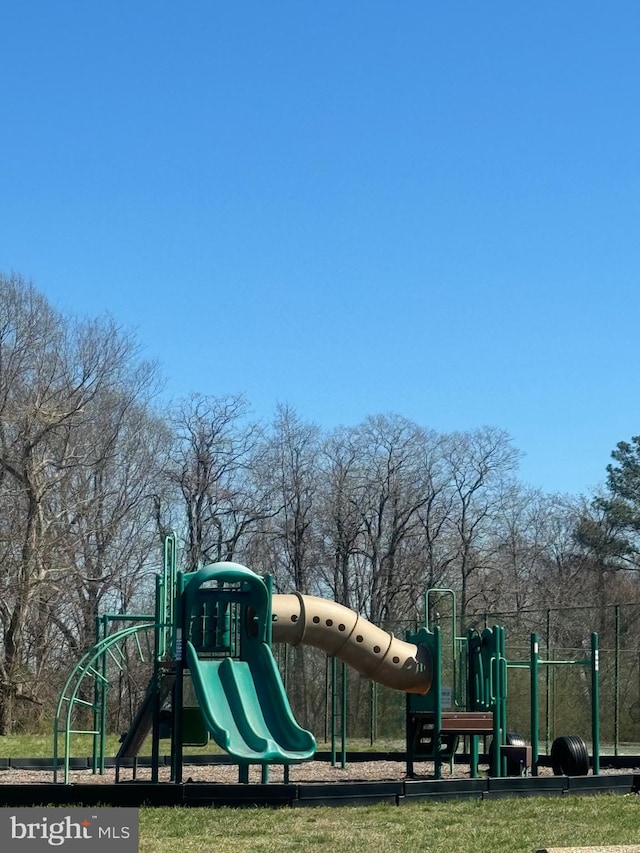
<point>453,724</point>
<point>466,722</point>
<point>422,742</point>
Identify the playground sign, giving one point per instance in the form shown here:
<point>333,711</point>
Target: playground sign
<point>446,696</point>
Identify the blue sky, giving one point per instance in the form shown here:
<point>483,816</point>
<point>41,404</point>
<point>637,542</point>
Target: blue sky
<point>352,207</point>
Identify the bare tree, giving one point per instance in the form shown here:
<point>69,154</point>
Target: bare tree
<point>392,491</point>
<point>479,463</point>
<point>293,455</point>
<point>216,471</point>
<point>339,516</point>
<point>53,373</point>
<point>106,535</point>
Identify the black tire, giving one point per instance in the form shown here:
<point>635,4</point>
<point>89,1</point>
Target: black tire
<point>569,756</point>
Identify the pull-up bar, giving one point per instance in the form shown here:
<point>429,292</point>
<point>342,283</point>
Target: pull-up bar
<point>534,664</point>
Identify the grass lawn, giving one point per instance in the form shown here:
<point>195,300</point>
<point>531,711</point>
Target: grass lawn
<point>507,826</point>
<point>41,746</point>
<point>520,825</point>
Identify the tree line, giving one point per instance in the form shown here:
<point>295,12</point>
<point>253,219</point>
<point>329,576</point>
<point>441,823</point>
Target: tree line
<point>96,467</point>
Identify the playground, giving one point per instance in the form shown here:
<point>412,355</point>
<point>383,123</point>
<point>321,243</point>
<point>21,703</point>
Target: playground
<point>211,692</point>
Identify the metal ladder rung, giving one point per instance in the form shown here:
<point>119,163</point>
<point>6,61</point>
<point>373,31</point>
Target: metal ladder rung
<point>79,701</point>
<point>83,732</point>
<point>97,674</point>
<point>115,659</point>
<point>139,647</point>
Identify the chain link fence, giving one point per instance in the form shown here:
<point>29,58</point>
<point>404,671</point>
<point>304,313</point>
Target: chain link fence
<point>376,714</point>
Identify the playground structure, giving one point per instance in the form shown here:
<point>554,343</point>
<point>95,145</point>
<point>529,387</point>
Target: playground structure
<point>211,644</point>
<point>473,704</point>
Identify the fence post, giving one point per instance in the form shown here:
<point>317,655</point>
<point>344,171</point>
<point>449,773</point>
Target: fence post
<point>595,703</point>
<point>533,672</point>
<point>616,685</point>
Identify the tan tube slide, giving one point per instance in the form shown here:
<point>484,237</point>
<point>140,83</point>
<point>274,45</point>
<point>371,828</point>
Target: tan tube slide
<point>343,633</point>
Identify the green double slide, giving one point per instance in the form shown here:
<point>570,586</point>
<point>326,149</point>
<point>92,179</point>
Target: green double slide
<point>233,672</point>
<point>246,708</point>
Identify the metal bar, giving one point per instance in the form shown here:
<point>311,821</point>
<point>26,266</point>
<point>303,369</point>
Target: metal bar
<point>158,642</point>
<point>595,702</point>
<point>115,660</point>
<point>616,685</point>
<point>343,727</point>
<point>472,696</point>
<point>268,580</point>
<point>98,675</point>
<point>334,710</point>
<point>83,702</point>
<point>102,662</point>
<point>437,685</point>
<point>373,696</point>
<point>127,617</point>
<point>454,628</point>
<point>96,700</point>
<point>496,691</point>
<point>535,648</point>
<point>327,696</point>
<point>548,677</point>
<point>178,687</point>
<point>503,689</point>
<point>136,639</point>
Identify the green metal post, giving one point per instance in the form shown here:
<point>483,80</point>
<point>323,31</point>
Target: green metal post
<point>178,688</point>
<point>472,695</point>
<point>496,672</point>
<point>444,592</point>
<point>534,668</point>
<point>96,705</point>
<point>595,702</point>
<point>501,694</point>
<point>334,709</point>
<point>327,698</point>
<point>157,677</point>
<point>548,675</point>
<point>343,727</point>
<point>616,686</point>
<point>160,615</point>
<point>268,581</point>
<point>503,684</point>
<point>103,700</point>
<point>373,708</point>
<point>408,734</point>
<point>437,686</point>
<point>474,755</point>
